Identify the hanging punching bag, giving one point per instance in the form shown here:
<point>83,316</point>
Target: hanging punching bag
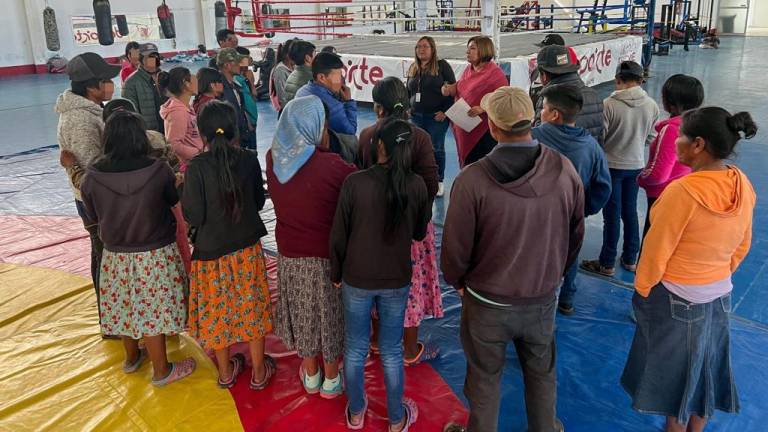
<point>103,15</point>
<point>166,21</point>
<point>221,15</point>
<point>122,25</point>
<point>51,30</point>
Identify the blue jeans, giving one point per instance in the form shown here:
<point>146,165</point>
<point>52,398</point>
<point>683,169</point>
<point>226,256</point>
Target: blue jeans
<point>436,131</point>
<point>390,305</point>
<point>621,206</point>
<point>568,289</point>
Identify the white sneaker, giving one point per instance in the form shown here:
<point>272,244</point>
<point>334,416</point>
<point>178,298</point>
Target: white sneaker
<point>440,189</point>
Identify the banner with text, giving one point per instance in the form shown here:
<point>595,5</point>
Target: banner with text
<point>140,28</point>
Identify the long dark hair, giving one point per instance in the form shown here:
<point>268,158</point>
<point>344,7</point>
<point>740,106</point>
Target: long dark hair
<point>217,123</point>
<point>718,128</point>
<point>124,138</point>
<point>177,77</point>
<point>392,96</point>
<point>207,77</point>
<point>396,136</point>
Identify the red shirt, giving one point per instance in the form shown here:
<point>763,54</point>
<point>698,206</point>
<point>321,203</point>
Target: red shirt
<point>306,204</point>
<point>126,71</point>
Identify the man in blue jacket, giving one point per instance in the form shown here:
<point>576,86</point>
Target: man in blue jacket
<point>561,106</point>
<point>328,84</point>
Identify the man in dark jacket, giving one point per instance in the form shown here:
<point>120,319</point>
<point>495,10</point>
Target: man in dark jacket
<point>562,104</point>
<point>143,87</point>
<point>228,61</point>
<point>556,66</point>
<point>514,224</point>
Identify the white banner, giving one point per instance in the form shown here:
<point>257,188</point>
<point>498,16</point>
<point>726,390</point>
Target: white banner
<point>598,62</point>
<point>140,28</point>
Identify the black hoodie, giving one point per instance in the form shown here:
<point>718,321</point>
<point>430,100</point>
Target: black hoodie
<point>514,224</point>
<point>132,208</point>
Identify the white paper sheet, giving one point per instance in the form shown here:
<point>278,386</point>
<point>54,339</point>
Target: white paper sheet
<point>458,115</point>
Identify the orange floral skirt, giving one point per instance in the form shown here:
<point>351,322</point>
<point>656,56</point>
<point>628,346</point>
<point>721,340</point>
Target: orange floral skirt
<point>229,299</point>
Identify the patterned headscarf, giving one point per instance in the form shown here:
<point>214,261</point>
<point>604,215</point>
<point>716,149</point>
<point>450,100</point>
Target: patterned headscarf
<point>299,130</point>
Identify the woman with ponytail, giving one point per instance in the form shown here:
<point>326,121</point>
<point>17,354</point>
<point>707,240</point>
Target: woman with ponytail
<point>701,229</point>
<point>229,300</point>
<point>179,118</point>
<point>381,211</point>
<point>391,101</point>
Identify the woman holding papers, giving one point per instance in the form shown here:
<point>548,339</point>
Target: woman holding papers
<point>483,76</point>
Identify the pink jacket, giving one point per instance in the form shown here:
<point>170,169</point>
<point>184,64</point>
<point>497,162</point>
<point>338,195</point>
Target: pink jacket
<point>181,131</point>
<point>662,167</point>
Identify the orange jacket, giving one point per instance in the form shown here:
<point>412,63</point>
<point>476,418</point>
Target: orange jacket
<point>701,230</point>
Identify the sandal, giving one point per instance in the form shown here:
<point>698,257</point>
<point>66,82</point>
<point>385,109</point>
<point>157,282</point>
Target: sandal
<point>178,371</point>
<point>303,378</point>
<point>348,415</point>
<point>238,364</point>
<point>335,392</point>
<point>426,352</point>
<point>411,414</point>
<point>135,366</point>
<point>594,266</point>
<point>632,268</point>
<point>270,367</point>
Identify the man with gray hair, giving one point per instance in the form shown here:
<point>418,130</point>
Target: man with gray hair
<point>514,224</point>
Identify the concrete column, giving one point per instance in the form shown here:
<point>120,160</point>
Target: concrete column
<point>490,24</point>
<point>421,15</point>
<point>208,21</point>
<point>36,33</point>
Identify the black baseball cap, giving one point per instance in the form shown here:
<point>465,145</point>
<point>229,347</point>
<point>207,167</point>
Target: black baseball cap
<point>88,66</point>
<point>629,67</point>
<point>551,39</point>
<point>148,49</point>
<point>555,59</point>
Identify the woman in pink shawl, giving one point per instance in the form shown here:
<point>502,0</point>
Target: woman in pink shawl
<point>483,76</point>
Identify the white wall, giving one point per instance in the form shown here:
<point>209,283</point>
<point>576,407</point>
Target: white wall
<point>758,14</point>
<point>16,49</point>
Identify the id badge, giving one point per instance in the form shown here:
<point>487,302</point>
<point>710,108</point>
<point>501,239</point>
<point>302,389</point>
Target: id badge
<point>418,97</point>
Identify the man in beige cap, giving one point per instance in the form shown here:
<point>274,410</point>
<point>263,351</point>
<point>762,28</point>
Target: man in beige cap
<point>514,224</point>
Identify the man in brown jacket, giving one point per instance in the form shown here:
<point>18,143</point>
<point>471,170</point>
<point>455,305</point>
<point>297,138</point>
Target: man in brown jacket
<point>514,224</point>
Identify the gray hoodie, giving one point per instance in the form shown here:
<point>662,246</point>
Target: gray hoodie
<point>80,129</point>
<point>628,119</point>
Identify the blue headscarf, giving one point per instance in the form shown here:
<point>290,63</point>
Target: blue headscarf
<point>299,130</point>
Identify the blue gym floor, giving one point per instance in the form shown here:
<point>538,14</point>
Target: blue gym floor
<point>592,344</point>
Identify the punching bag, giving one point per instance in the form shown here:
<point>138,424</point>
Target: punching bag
<point>103,15</point>
<point>221,15</point>
<point>122,25</point>
<point>166,21</point>
<point>51,30</point>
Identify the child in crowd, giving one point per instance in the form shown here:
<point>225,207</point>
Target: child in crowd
<point>229,298</point>
<point>628,116</point>
<point>179,118</point>
<point>391,101</point>
<point>209,87</point>
<point>381,211</point>
<point>561,106</point>
<point>679,94</point>
<point>142,278</point>
<point>679,364</point>
<point>310,316</point>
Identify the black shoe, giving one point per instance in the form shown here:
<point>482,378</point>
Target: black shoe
<point>454,427</point>
<point>566,309</point>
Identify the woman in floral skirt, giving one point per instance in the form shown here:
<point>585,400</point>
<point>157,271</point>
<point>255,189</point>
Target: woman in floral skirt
<point>229,298</point>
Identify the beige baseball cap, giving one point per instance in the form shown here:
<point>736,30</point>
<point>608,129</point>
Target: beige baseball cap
<point>509,108</point>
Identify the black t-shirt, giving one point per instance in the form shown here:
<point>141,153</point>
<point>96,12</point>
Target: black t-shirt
<point>429,86</point>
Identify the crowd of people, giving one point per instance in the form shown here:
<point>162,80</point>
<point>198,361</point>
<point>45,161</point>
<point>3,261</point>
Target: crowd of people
<point>169,187</point>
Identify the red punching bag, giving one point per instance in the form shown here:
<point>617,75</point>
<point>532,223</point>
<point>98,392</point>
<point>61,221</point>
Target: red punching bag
<point>166,21</point>
<point>103,15</point>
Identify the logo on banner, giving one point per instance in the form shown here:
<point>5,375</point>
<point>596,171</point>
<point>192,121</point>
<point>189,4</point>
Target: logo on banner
<point>597,60</point>
<point>359,75</point>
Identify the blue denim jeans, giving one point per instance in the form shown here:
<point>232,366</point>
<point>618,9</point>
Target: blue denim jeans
<point>568,289</point>
<point>390,305</point>
<point>436,131</point>
<point>621,207</point>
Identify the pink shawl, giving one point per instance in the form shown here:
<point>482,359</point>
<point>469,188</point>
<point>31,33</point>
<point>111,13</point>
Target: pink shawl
<point>472,86</point>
